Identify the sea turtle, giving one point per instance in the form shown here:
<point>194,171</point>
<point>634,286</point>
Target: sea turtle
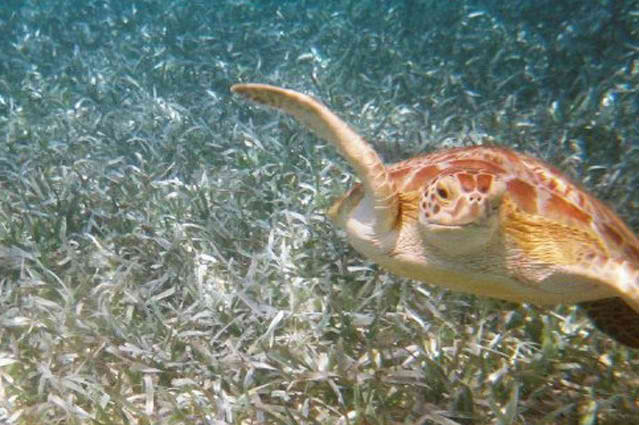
<point>484,220</point>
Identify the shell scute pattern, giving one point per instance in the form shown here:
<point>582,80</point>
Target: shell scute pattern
<point>568,202</point>
<point>524,194</point>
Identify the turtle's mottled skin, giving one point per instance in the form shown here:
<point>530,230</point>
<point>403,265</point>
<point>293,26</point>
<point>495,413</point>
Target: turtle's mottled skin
<point>483,220</point>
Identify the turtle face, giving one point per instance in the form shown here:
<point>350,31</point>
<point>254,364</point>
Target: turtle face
<point>460,199</point>
<point>458,210</point>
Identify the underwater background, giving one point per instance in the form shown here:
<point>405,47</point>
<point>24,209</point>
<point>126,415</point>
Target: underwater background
<point>164,253</point>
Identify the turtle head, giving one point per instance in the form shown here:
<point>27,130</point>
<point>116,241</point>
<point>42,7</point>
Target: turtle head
<point>458,210</point>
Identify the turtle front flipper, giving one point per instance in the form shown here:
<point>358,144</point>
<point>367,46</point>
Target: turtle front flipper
<point>325,124</point>
<point>615,318</point>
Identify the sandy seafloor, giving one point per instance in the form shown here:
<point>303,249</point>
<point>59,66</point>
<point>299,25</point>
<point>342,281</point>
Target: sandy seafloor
<point>164,255</point>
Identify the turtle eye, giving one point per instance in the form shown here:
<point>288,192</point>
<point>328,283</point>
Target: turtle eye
<point>444,191</point>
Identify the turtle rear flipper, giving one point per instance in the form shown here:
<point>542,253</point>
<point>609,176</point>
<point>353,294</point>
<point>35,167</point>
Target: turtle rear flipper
<point>615,318</point>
